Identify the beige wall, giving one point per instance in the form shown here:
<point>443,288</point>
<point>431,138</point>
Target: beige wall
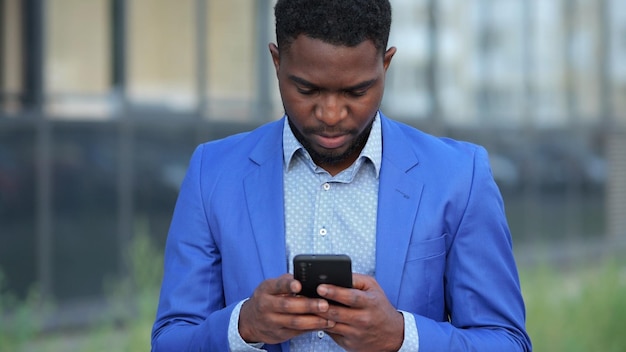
<point>161,41</point>
<point>77,41</point>
<point>232,51</point>
<point>13,49</point>
<point>163,59</point>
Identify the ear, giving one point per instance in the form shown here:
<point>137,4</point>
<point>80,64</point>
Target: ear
<point>275,56</point>
<point>388,56</point>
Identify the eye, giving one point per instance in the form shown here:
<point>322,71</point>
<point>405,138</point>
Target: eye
<point>356,93</point>
<point>307,91</point>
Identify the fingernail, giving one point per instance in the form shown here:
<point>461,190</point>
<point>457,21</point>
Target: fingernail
<point>322,290</point>
<point>322,305</point>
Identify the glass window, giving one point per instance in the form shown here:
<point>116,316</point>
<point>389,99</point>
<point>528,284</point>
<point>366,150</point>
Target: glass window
<point>18,262</point>
<point>78,60</point>
<point>616,14</point>
<point>10,55</point>
<point>407,95</point>
<point>583,54</point>
<point>168,39</point>
<point>160,158</point>
<point>232,58</point>
<point>161,56</point>
<point>84,162</point>
<point>548,74</point>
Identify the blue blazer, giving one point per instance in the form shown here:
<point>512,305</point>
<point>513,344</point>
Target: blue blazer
<point>443,248</point>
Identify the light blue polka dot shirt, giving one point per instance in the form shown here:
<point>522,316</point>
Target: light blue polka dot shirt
<point>327,214</point>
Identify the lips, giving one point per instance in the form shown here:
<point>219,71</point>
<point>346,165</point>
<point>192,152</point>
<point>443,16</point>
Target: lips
<point>332,142</point>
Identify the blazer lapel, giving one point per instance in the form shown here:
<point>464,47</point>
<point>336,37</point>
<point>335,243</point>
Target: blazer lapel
<point>264,199</point>
<point>398,201</point>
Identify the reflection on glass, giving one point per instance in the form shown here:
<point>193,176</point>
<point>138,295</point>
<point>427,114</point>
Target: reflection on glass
<point>17,209</point>
<point>85,250</point>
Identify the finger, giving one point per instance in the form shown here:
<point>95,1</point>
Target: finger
<point>363,282</point>
<point>283,285</point>
<point>298,305</point>
<point>305,322</point>
<point>296,313</point>
<point>346,296</point>
<point>279,317</point>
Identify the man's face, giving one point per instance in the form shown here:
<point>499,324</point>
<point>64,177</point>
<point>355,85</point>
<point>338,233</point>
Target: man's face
<point>331,95</point>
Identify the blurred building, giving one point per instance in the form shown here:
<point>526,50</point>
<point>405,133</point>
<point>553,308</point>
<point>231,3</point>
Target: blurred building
<point>530,63</point>
<point>103,101</point>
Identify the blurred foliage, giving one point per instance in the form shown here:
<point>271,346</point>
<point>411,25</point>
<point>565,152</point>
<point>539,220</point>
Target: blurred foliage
<point>19,319</point>
<point>580,309</point>
<point>131,308</point>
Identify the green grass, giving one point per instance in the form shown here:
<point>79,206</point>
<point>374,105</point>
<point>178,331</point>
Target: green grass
<point>578,309</point>
<point>582,309</point>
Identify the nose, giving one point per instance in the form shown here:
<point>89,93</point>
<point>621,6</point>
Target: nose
<point>331,109</point>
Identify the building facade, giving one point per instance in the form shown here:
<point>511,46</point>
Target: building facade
<point>102,102</point>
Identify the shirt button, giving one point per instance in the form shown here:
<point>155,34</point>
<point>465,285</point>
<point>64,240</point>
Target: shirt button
<point>326,186</point>
<point>323,232</point>
<point>320,334</point>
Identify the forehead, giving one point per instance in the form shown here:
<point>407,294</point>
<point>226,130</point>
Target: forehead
<point>314,59</point>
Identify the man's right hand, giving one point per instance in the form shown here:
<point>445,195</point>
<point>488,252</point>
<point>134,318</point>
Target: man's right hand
<point>275,314</point>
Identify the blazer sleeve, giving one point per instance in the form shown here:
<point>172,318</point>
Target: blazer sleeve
<point>482,292</point>
<point>191,314</point>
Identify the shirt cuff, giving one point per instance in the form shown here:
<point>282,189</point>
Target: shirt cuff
<point>235,341</point>
<point>411,336</point>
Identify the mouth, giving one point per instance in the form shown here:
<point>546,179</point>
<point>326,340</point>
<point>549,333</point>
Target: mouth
<point>331,141</point>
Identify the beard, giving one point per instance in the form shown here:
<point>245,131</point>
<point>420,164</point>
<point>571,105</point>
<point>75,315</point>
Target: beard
<point>332,157</point>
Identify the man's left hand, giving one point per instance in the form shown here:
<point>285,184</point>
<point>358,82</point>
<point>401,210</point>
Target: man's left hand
<point>368,322</point>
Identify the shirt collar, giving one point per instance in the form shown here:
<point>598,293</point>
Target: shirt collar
<point>372,151</point>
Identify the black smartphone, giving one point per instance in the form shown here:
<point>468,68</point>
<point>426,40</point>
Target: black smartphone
<point>314,269</point>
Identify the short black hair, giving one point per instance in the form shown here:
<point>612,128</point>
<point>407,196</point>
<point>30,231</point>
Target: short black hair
<point>337,22</point>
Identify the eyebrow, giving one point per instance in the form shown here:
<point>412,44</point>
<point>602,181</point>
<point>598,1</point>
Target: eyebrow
<point>357,86</point>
